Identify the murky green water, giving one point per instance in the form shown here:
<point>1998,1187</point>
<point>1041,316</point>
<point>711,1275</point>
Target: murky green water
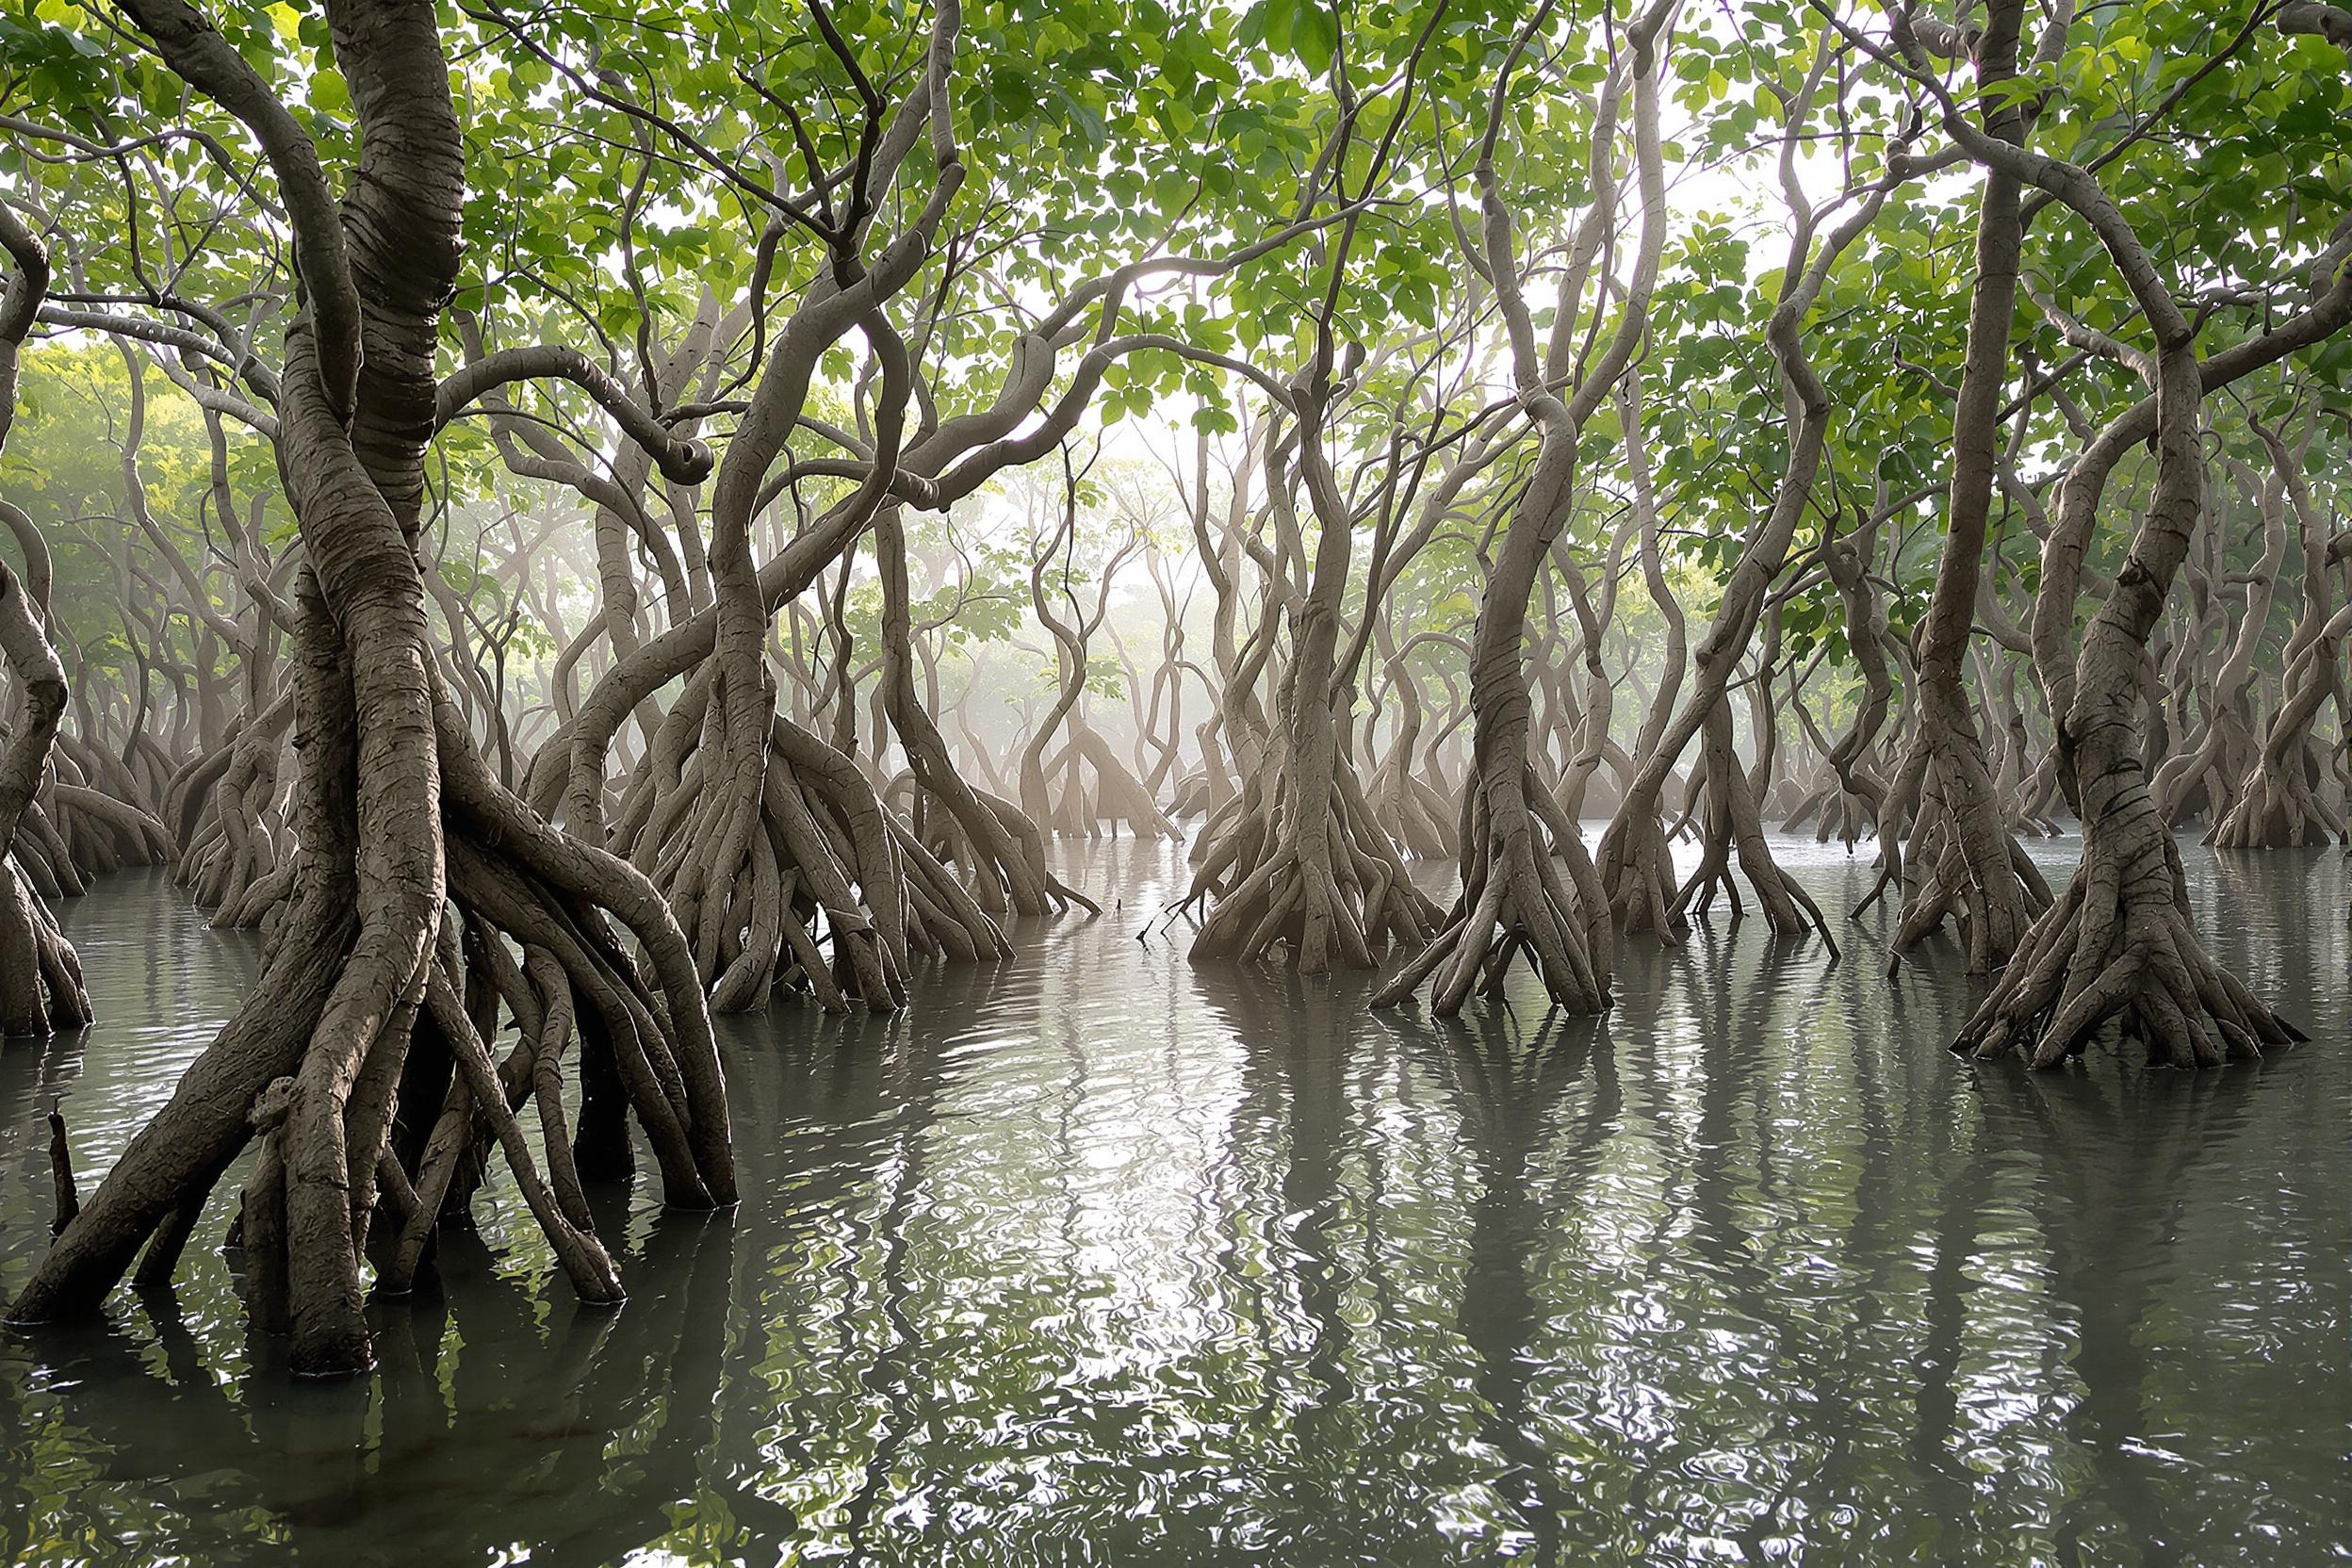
<point>1099,1258</point>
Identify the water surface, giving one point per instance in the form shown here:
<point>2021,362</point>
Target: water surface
<point>1099,1257</point>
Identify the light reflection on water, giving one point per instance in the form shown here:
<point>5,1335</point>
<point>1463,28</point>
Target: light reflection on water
<point>1100,1257</point>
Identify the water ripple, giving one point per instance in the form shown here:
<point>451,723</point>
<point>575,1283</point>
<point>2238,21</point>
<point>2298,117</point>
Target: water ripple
<point>1096,1257</point>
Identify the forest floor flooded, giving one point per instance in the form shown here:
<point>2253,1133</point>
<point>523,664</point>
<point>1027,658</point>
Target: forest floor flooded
<point>1100,1257</point>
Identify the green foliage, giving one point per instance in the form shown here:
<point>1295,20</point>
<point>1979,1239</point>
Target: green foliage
<point>1093,134</point>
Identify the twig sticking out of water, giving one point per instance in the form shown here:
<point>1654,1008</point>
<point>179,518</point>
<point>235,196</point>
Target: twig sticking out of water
<point>62,1172</point>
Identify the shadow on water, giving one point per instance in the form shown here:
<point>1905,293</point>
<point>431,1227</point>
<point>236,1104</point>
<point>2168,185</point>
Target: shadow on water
<point>1095,1256</point>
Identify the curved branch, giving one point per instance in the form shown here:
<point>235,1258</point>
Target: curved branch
<point>682,459</point>
<point>196,50</point>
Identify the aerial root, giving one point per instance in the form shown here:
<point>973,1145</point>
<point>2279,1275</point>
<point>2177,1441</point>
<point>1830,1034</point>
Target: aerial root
<point>644,1050</point>
<point>1732,827</point>
<point>1515,904</point>
<point>1119,796</point>
<point>102,832</point>
<point>1413,815</point>
<point>2119,943</point>
<point>805,882</point>
<point>1333,888</point>
<point>478,1104</point>
<point>1948,889</point>
<point>1638,871</point>
<point>239,846</point>
<point>486,1095</point>
<point>1784,906</point>
<point>2278,808</point>
<point>40,975</point>
<point>1001,851</point>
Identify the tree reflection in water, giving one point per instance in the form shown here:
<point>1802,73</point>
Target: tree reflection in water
<point>1099,1256</point>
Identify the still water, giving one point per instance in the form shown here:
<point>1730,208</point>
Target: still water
<point>1099,1257</point>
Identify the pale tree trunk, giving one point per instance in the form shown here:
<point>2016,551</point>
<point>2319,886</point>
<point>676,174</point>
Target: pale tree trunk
<point>1001,846</point>
<point>2224,747</point>
<point>1728,802</point>
<point>405,832</point>
<point>1592,624</point>
<point>1870,643</point>
<point>1636,869</point>
<point>1644,904</point>
<point>1073,639</point>
<point>1416,818</point>
<point>1513,900</point>
<point>771,840</point>
<point>2277,805</point>
<point>41,977</point>
<point>1301,860</point>
<point>2120,942</point>
<point>1973,864</point>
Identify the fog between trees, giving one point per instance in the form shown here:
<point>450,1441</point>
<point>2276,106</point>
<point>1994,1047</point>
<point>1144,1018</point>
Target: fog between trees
<point>573,520</point>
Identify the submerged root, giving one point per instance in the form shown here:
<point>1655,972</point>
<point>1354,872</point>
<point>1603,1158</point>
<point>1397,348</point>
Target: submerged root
<point>1514,903</point>
<point>2278,808</point>
<point>1733,825</point>
<point>40,977</point>
<point>2119,943</point>
<point>339,1177</point>
<point>1305,867</point>
<point>807,883</point>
